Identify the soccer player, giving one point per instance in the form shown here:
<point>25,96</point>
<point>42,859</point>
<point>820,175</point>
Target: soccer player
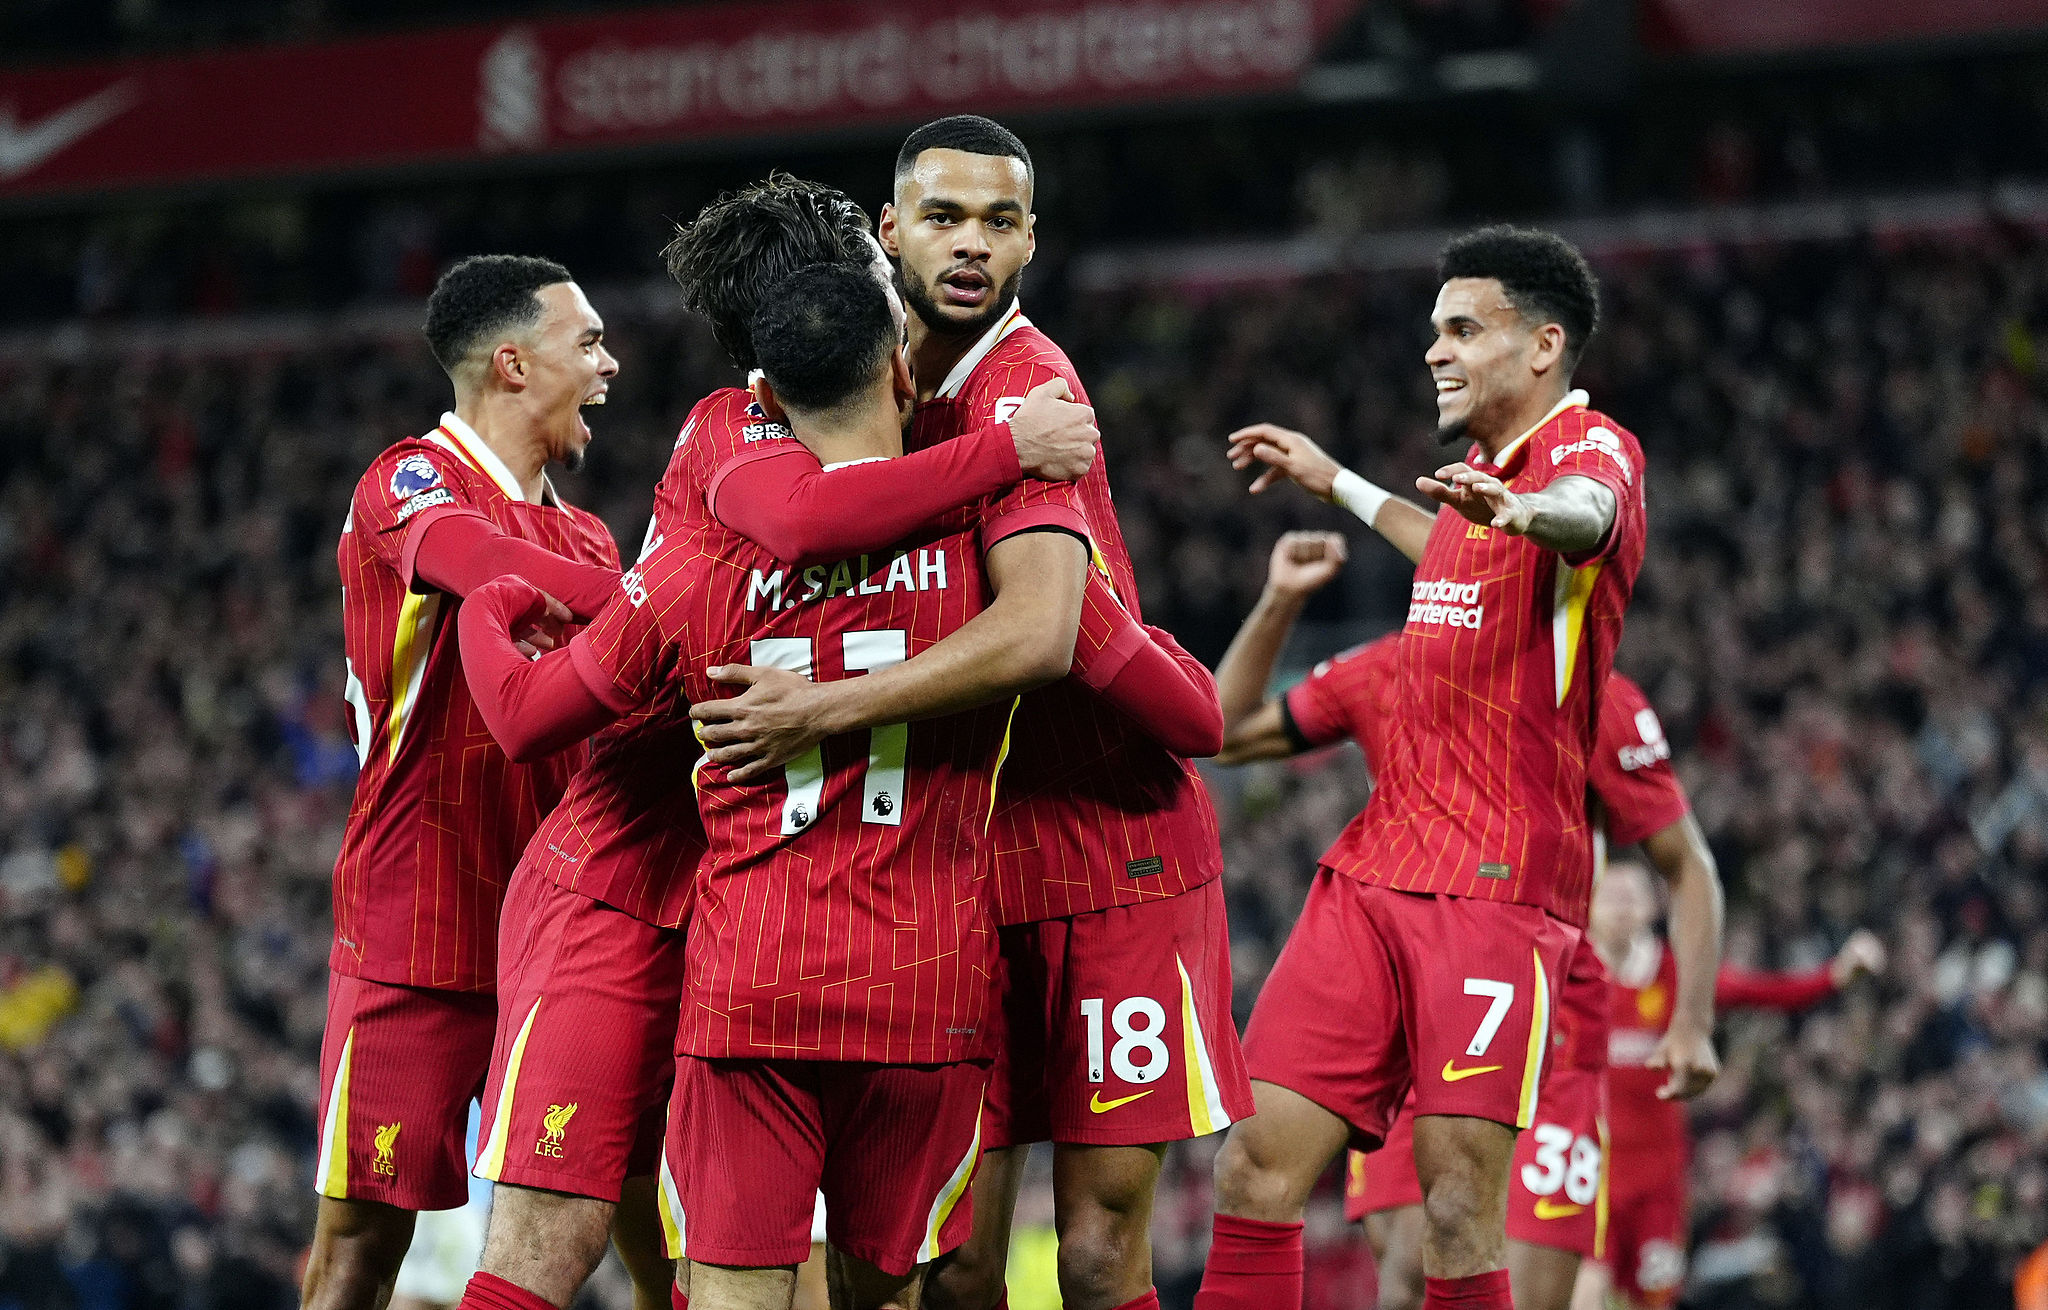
<point>1442,921</point>
<point>593,941</point>
<point>779,496</point>
<point>1649,1146</point>
<point>1117,1035</point>
<point>1556,1205</point>
<point>835,1024</point>
<point>440,813</point>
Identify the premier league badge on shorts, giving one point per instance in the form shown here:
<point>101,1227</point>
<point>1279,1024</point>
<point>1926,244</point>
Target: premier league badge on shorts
<point>414,474</point>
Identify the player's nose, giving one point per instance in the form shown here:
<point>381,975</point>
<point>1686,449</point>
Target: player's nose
<point>970,241</point>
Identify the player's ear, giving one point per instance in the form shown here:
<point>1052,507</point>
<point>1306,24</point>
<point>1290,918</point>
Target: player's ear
<point>905,386</point>
<point>510,365</point>
<point>1030,236</point>
<point>1549,352</point>
<point>885,230</point>
<point>764,396</point>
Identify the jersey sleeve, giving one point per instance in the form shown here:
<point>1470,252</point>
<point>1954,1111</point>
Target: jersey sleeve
<point>1757,989</point>
<point>407,486</point>
<point>1594,450</point>
<point>1631,769</point>
<point>1314,715</point>
<point>627,651</point>
<point>1346,695</point>
<point>782,499</point>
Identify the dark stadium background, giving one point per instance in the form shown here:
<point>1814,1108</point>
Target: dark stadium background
<point>1822,227</point>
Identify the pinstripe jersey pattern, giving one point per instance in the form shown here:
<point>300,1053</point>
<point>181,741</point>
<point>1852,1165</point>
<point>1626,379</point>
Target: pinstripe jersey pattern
<point>1091,813</point>
<point>440,814</point>
<point>627,831</point>
<point>1501,665</point>
<point>838,909</point>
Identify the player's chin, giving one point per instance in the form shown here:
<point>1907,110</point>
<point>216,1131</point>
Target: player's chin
<point>1453,432</point>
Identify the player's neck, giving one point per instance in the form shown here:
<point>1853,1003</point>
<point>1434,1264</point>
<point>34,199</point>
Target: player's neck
<point>874,436</point>
<point>500,426</point>
<point>932,355</point>
<point>1533,410</point>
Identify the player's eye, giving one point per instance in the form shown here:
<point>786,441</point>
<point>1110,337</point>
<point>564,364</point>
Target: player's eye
<point>1001,222</point>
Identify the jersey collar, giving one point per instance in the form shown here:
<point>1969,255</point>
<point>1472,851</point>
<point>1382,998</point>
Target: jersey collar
<point>461,438</point>
<point>957,379</point>
<point>1572,400</point>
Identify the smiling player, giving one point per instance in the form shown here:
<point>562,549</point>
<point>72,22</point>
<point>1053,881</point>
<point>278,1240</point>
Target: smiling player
<point>440,813</point>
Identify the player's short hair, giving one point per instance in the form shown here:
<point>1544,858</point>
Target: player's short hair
<point>749,240</point>
<point>1545,276</point>
<point>485,296</point>
<point>969,133</point>
<point>821,335</point>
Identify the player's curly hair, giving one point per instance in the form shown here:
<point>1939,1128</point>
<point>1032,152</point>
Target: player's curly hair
<point>748,240</point>
<point>821,334</point>
<point>483,296</point>
<point>970,133</point>
<point>1545,276</point>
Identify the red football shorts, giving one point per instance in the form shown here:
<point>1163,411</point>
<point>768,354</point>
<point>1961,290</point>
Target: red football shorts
<point>1557,1187</point>
<point>1646,1235</point>
<point>398,1069</point>
<point>1115,1027</point>
<point>751,1143</point>
<point>581,1067</point>
<point>1378,990</point>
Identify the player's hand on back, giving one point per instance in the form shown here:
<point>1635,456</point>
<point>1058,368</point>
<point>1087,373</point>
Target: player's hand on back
<point>1304,562</point>
<point>777,718</point>
<point>1056,439</point>
<point>1687,1051</point>
<point>1287,454</point>
<point>1862,953</point>
<point>1480,497</point>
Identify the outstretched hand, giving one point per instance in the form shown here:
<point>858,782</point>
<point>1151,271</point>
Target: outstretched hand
<point>1687,1051</point>
<point>1480,497</point>
<point>776,719</point>
<point>1287,454</point>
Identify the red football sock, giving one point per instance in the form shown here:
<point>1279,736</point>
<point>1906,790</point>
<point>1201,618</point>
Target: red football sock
<point>490,1292</point>
<point>1488,1291</point>
<point>1149,1301</point>
<point>676,1299</point>
<point>1253,1265</point>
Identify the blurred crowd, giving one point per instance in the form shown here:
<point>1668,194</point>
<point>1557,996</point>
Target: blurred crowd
<point>1843,620</point>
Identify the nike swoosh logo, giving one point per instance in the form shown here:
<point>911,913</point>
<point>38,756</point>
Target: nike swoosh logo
<point>1452,1075</point>
<point>25,149</point>
<point>1100,1106</point>
<point>1549,1209</point>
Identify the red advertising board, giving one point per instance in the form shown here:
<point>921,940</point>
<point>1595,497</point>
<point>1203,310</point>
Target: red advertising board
<point>634,78</point>
<point>1717,27</point>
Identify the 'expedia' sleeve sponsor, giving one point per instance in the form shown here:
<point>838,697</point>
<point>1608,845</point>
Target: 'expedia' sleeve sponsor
<point>1583,444</point>
<point>404,487</point>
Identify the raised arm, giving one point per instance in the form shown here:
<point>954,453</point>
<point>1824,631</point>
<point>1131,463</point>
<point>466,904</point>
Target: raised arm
<point>1255,727</point>
<point>799,511</point>
<point>532,707</point>
<point>1290,454</point>
<point>459,550</point>
<point>1571,516</point>
<point>1681,855</point>
<point>1024,639</point>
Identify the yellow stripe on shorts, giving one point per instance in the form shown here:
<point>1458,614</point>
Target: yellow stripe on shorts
<point>1539,1044</point>
<point>490,1162</point>
<point>332,1173</point>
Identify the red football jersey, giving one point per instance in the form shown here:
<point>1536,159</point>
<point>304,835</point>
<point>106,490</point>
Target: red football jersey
<point>839,908</point>
<point>720,426</point>
<point>1505,652</point>
<point>627,831</point>
<point>1352,694</point>
<point>1092,813</point>
<point>440,814</point>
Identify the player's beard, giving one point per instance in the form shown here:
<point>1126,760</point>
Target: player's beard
<point>1455,433</point>
<point>919,298</point>
<point>572,459</point>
